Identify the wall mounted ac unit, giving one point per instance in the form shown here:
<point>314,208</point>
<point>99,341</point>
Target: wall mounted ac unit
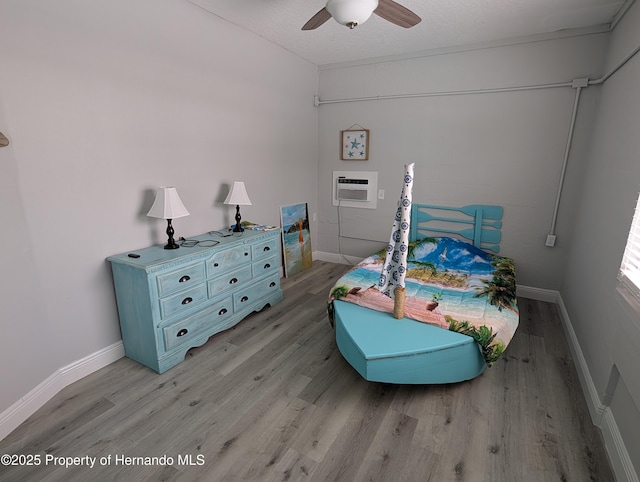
<point>355,189</point>
<point>349,189</point>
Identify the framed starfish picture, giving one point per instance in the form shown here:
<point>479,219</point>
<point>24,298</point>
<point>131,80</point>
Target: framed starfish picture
<point>354,145</point>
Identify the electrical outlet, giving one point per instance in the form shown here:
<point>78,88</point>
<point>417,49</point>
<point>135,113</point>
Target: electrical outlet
<point>551,240</point>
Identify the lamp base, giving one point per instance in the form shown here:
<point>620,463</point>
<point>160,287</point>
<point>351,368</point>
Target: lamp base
<point>238,227</point>
<point>171,243</point>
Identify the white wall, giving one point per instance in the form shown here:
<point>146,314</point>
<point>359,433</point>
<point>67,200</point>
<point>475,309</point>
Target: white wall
<point>606,324</point>
<point>103,102</point>
<point>27,333</point>
<point>492,148</point>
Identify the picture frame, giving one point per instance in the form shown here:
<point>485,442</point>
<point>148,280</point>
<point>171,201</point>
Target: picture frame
<point>296,238</point>
<point>354,145</point>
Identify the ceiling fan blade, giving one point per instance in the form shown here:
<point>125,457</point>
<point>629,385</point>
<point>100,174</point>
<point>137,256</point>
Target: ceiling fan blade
<point>318,19</point>
<point>397,14</point>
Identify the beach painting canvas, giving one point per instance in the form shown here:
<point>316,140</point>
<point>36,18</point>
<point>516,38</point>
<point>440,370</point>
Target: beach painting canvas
<point>296,238</point>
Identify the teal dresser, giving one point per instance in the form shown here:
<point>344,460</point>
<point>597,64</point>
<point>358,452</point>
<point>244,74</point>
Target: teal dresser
<point>172,300</point>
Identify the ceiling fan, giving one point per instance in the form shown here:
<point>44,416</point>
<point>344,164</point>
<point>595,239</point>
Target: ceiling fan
<point>352,13</point>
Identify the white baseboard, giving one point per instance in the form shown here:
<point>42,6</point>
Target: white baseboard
<point>336,258</point>
<point>618,454</point>
<point>600,414</point>
<point>596,408</point>
<point>539,294</point>
<point>11,418</point>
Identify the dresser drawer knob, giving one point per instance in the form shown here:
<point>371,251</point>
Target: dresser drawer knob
<point>233,281</point>
<point>184,278</point>
<point>187,300</point>
<point>267,266</point>
<point>222,311</point>
<point>272,284</point>
<point>244,298</point>
<point>246,253</point>
<point>215,265</point>
<point>182,332</point>
<point>266,248</point>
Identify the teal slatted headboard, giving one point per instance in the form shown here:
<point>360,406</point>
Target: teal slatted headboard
<point>480,224</point>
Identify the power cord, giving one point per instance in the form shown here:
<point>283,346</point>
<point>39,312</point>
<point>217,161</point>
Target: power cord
<point>343,256</point>
<point>207,243</point>
<point>190,243</point>
<point>228,234</point>
<point>340,236</point>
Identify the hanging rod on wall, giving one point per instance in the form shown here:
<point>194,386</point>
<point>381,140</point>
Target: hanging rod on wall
<point>578,84</point>
<point>617,67</point>
<point>446,93</point>
<point>601,80</point>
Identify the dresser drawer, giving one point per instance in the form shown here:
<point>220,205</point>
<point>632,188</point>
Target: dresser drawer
<point>268,247</point>
<point>229,280</point>
<point>247,297</point>
<point>181,332</point>
<point>180,279</point>
<point>265,266</point>
<point>227,260</point>
<point>182,301</point>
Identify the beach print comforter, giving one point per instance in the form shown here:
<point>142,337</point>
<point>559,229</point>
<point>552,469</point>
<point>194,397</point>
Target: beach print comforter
<point>449,283</point>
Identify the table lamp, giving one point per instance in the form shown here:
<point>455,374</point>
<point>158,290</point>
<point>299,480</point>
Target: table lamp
<point>238,196</point>
<point>168,205</point>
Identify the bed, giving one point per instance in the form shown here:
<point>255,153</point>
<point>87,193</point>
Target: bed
<point>460,309</point>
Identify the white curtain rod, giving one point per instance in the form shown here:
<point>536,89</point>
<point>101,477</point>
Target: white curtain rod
<point>617,67</point>
<point>494,90</point>
<point>444,93</point>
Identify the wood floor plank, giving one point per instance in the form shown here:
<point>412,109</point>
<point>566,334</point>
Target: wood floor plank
<point>327,422</point>
<point>387,454</point>
<point>348,450</point>
<point>272,399</point>
<point>273,444</point>
<point>293,466</point>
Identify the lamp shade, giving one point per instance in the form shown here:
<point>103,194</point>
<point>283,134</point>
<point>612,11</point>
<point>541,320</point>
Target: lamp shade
<point>167,204</point>
<point>351,13</point>
<point>238,195</point>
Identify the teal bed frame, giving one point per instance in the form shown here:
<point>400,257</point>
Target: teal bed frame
<point>477,223</point>
<point>384,349</point>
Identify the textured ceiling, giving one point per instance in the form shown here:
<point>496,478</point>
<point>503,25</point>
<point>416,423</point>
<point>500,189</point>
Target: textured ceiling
<point>445,23</point>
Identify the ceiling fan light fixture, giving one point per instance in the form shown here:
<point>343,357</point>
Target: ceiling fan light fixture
<point>351,12</point>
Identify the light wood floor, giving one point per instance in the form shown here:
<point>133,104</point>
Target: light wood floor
<point>273,399</point>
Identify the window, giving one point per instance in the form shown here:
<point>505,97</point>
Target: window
<point>630,268</point>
